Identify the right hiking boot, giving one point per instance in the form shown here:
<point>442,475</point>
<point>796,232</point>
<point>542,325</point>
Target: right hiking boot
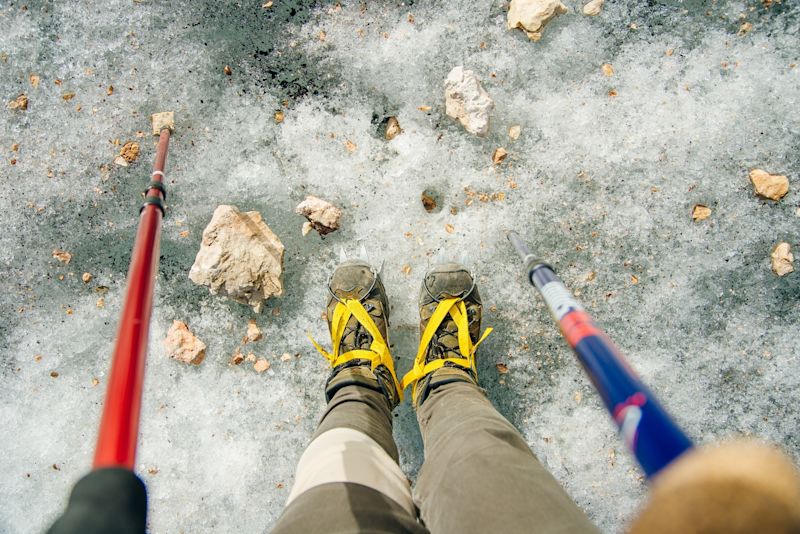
<point>358,318</point>
<point>450,312</point>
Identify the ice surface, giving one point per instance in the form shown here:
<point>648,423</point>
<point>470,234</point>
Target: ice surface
<point>603,184</point>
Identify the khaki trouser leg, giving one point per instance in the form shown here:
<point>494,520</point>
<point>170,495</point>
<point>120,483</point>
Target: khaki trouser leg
<point>348,479</point>
<point>479,474</point>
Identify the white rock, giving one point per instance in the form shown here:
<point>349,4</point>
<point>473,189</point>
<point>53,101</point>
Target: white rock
<point>467,101</point>
<point>323,216</point>
<point>782,259</point>
<point>239,257</point>
<point>184,346</point>
<point>593,8</point>
<point>531,16</point>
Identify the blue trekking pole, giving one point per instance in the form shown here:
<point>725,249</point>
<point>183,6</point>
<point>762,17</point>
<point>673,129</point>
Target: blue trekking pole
<point>645,426</point>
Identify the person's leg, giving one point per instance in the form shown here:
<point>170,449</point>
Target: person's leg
<point>479,474</point>
<point>348,479</point>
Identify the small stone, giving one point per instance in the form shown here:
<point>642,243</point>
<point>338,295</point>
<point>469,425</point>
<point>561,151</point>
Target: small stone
<point>21,102</point>
<point>771,186</point>
<point>239,257</point>
<point>279,116</point>
<point>86,277</point>
<point>152,471</point>
<point>700,212</point>
<point>467,101</point>
<point>267,5</point>
<point>428,202</point>
<point>499,155</point>
<point>593,8</point>
<point>261,365</point>
<point>15,147</point>
<point>634,280</point>
<point>184,233</point>
<point>34,79</point>
<point>514,132</point>
<point>285,357</point>
<point>95,382</point>
<point>184,346</point>
<point>306,229</point>
<point>68,96</point>
<point>130,151</point>
<point>323,216</point>
<point>406,270</point>
<point>392,128</point>
<point>577,397</point>
<point>122,162</point>
<point>37,358</point>
<point>744,29</point>
<point>253,332</point>
<point>62,255</point>
<point>237,358</point>
<point>782,259</point>
<point>449,228</point>
<point>350,146</point>
<point>54,374</point>
<point>531,16</point>
<point>607,69</point>
<point>502,368</point>
<point>159,121</point>
<point>110,90</point>
<point>227,70</point>
<point>101,303</point>
<point>424,109</point>
<point>612,93</point>
<point>250,357</point>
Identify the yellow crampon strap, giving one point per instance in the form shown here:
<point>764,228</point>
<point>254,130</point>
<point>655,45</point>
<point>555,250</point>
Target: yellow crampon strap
<point>378,352</point>
<point>456,308</point>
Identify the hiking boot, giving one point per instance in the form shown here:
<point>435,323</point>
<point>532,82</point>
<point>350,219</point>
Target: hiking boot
<point>449,300</point>
<point>358,319</point>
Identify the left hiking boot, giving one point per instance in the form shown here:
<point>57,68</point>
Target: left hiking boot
<point>450,311</point>
<point>358,321</point>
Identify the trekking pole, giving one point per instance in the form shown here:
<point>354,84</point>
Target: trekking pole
<point>119,426</point>
<point>111,498</point>
<point>645,426</point>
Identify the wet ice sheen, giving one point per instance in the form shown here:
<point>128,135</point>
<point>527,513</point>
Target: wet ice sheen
<point>603,184</point>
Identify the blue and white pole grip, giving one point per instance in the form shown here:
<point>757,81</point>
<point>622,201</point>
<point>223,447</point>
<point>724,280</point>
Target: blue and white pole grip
<point>645,426</point>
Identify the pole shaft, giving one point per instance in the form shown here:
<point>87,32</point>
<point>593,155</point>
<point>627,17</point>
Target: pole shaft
<point>119,426</point>
<point>645,426</point>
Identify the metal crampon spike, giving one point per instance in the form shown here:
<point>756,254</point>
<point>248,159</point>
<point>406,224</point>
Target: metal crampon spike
<point>362,254</point>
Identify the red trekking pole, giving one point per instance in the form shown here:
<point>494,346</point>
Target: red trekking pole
<point>112,498</point>
<point>119,427</point>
